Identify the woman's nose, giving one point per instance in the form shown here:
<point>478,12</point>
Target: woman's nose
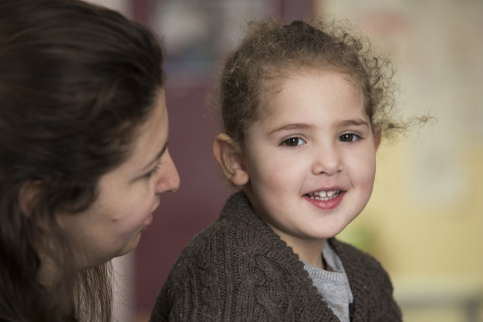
<point>169,180</point>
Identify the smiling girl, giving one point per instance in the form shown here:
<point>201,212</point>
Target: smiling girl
<point>304,108</point>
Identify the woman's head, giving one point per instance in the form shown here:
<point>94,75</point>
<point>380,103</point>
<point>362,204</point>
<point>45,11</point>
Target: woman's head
<point>79,87</point>
<point>127,196</point>
<point>272,51</point>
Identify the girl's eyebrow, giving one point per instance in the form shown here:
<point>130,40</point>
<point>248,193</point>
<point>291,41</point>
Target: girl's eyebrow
<point>357,122</point>
<point>290,126</point>
<point>298,126</point>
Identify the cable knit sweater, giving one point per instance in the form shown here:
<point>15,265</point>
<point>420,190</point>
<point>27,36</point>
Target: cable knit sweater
<point>238,269</point>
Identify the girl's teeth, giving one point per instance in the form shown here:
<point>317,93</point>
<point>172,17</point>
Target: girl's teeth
<point>324,195</point>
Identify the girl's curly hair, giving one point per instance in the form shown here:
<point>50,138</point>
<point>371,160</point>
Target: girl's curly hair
<point>272,51</point>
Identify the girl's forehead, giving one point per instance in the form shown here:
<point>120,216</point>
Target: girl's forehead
<point>276,88</point>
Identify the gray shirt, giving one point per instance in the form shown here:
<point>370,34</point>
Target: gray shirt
<point>332,284</point>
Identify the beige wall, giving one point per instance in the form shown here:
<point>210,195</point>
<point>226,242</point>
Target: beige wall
<point>425,220</point>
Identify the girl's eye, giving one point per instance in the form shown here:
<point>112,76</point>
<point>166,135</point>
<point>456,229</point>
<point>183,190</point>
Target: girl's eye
<point>349,137</point>
<point>294,141</point>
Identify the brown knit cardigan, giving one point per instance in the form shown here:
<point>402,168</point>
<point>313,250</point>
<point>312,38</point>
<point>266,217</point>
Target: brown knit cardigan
<point>239,270</point>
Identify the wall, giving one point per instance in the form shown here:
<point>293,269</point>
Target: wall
<point>425,219</point>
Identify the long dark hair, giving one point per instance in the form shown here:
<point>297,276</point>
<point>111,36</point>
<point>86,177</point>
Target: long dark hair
<point>76,82</point>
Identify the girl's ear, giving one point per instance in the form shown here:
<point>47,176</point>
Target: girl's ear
<point>229,156</point>
<point>377,136</point>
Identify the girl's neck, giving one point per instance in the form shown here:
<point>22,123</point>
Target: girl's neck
<point>310,252</point>
<point>315,259</point>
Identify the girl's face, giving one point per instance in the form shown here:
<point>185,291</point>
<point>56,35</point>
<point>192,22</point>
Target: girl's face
<point>128,195</point>
<point>310,162</point>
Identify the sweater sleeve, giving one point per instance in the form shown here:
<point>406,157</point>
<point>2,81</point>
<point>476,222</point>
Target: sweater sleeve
<point>192,290</point>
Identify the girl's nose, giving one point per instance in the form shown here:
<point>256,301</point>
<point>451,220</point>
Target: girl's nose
<point>169,180</point>
<point>327,160</point>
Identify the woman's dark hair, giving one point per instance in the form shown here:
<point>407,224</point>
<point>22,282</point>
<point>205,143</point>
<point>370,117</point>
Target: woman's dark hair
<point>272,51</point>
<point>76,82</point>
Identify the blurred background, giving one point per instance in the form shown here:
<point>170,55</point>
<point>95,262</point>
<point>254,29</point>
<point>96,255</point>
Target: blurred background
<point>425,220</point>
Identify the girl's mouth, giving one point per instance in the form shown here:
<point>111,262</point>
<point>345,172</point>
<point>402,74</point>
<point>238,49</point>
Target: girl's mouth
<point>323,195</point>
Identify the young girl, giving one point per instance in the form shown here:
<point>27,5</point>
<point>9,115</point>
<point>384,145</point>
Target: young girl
<point>83,154</point>
<point>304,108</point>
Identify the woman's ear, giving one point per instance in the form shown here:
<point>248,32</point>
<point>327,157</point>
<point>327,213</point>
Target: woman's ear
<point>229,156</point>
<point>26,197</point>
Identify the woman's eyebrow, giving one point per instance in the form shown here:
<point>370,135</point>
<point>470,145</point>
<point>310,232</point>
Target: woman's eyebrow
<point>156,158</point>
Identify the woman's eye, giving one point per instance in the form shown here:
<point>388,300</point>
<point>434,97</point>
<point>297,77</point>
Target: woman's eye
<point>293,141</point>
<point>153,171</point>
<point>349,137</point>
